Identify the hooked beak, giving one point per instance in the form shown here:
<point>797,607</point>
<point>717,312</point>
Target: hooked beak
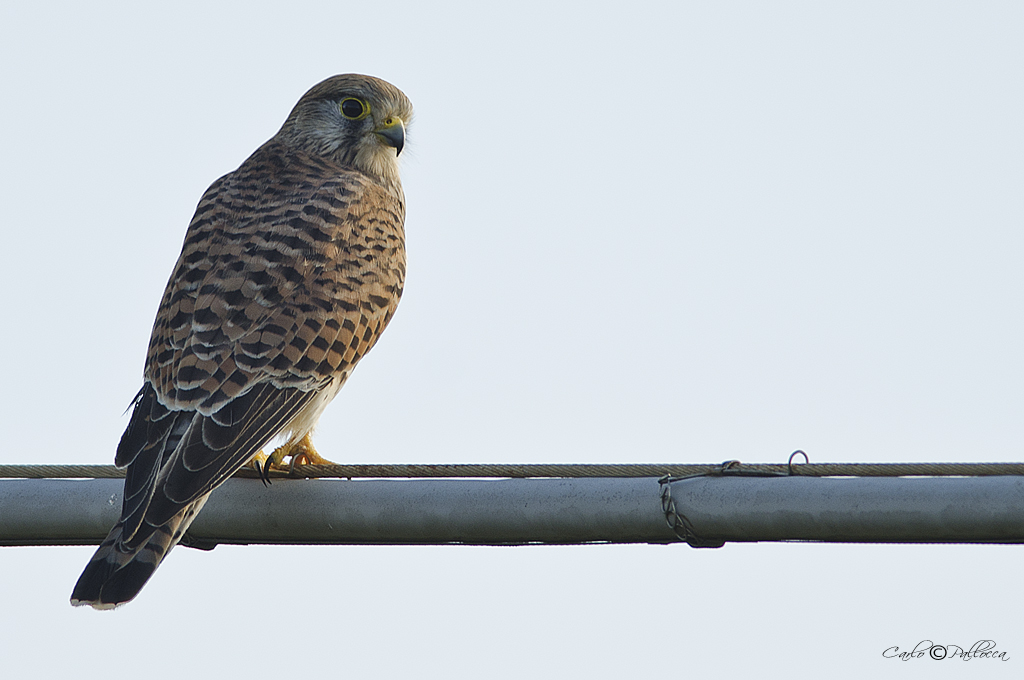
<point>392,133</point>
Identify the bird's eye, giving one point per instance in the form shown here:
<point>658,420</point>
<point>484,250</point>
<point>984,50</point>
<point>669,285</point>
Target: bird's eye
<point>354,109</point>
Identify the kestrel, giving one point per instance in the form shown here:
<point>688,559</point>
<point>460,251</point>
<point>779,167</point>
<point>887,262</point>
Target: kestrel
<point>291,268</point>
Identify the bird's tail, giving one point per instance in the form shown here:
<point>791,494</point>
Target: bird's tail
<point>117,572</point>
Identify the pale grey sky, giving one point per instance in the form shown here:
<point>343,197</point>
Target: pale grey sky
<point>674,232</point>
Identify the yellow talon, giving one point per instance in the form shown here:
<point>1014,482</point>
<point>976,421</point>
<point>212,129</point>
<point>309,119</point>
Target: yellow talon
<point>301,452</point>
<point>257,461</point>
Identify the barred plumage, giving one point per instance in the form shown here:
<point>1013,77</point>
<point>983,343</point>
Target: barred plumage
<point>291,269</point>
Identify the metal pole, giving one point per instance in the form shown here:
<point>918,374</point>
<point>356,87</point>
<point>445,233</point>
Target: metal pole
<point>543,511</point>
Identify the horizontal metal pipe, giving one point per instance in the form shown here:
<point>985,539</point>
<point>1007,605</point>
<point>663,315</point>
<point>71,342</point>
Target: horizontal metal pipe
<point>864,510</point>
<point>498,512</point>
<point>550,511</point>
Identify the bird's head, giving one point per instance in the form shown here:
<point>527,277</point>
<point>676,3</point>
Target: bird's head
<point>355,120</point>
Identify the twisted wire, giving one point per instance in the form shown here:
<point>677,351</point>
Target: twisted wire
<point>571,470</point>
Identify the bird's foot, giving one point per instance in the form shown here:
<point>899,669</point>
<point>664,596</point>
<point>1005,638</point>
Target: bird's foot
<point>301,452</point>
<point>259,463</point>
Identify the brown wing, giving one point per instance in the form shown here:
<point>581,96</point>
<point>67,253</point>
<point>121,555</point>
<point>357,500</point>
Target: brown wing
<point>285,277</point>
